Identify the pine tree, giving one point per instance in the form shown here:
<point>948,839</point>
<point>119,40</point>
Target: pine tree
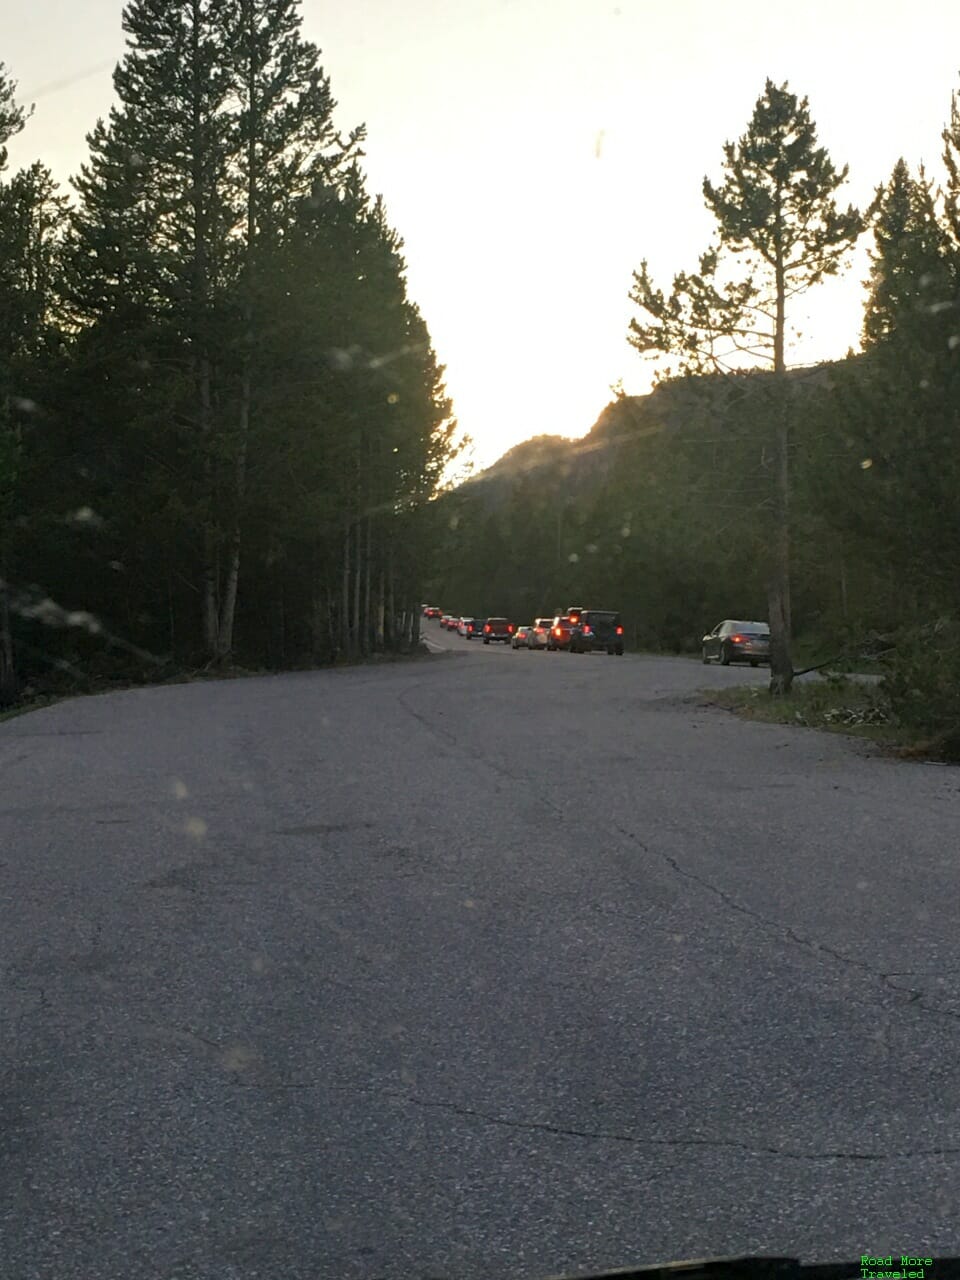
<point>898,406</point>
<point>224,124</point>
<point>779,232</point>
<point>31,220</point>
<point>910,277</point>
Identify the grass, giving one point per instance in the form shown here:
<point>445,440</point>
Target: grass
<point>835,705</point>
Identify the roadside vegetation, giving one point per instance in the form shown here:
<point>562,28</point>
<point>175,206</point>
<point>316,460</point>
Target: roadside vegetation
<point>836,703</point>
<point>887,713</point>
<point>824,499</point>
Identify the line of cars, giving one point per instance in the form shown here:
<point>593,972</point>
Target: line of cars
<point>575,630</point>
<point>579,630</point>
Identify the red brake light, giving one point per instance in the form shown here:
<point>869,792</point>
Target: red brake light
<point>736,639</point>
<point>574,619</point>
<point>556,631</point>
<point>619,631</point>
<point>487,627</point>
<point>586,630</point>
<point>510,627</point>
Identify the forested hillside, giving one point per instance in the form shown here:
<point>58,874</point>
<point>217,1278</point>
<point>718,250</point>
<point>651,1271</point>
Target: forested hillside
<point>221,416</point>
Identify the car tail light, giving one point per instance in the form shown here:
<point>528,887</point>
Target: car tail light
<point>619,631</point>
<point>574,619</point>
<point>586,631</point>
<point>487,627</point>
<point>556,631</point>
<point>510,627</point>
<point>736,639</point>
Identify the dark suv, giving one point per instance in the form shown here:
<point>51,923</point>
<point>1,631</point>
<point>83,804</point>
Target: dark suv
<point>597,629</point>
<point>561,631</point>
<point>497,629</point>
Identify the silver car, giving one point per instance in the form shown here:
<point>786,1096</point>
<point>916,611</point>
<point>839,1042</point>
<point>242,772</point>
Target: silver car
<point>540,633</point>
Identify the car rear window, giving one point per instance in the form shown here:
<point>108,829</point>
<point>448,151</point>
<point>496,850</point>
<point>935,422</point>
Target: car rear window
<point>601,618</point>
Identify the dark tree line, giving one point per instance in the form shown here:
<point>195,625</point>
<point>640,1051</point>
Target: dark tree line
<point>221,417</point>
<point>826,499</point>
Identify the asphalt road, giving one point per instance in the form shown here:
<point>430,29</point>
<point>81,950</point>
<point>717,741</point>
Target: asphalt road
<point>493,964</point>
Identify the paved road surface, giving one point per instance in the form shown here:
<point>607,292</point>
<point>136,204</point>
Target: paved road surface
<point>489,965</point>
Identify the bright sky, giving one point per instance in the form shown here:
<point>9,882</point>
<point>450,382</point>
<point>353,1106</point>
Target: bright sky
<point>532,152</point>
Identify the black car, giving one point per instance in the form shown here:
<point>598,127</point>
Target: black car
<point>597,629</point>
<point>737,642</point>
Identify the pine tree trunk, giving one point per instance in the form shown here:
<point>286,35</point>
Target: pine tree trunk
<point>323,630</point>
<point>319,620</point>
<point>844,609</point>
<point>211,574</point>
<point>228,611</point>
<point>171,621</point>
<point>199,194</point>
<point>357,572</point>
<point>367,574</point>
<point>9,685</point>
<point>781,663</point>
<point>345,595</point>
<point>281,628</point>
<point>391,606</point>
<point>211,593</point>
<point>332,621</point>
<point>229,603</point>
<point>381,608</point>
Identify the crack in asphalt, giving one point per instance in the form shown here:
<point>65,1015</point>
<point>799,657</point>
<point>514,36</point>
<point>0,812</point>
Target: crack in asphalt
<point>602,1135</point>
<point>914,996</point>
<point>808,944</point>
<point>713,1143</point>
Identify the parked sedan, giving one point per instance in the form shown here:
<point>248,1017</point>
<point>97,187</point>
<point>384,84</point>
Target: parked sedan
<point>737,642</point>
<point>522,638</point>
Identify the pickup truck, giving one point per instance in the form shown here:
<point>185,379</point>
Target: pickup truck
<point>498,629</point>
